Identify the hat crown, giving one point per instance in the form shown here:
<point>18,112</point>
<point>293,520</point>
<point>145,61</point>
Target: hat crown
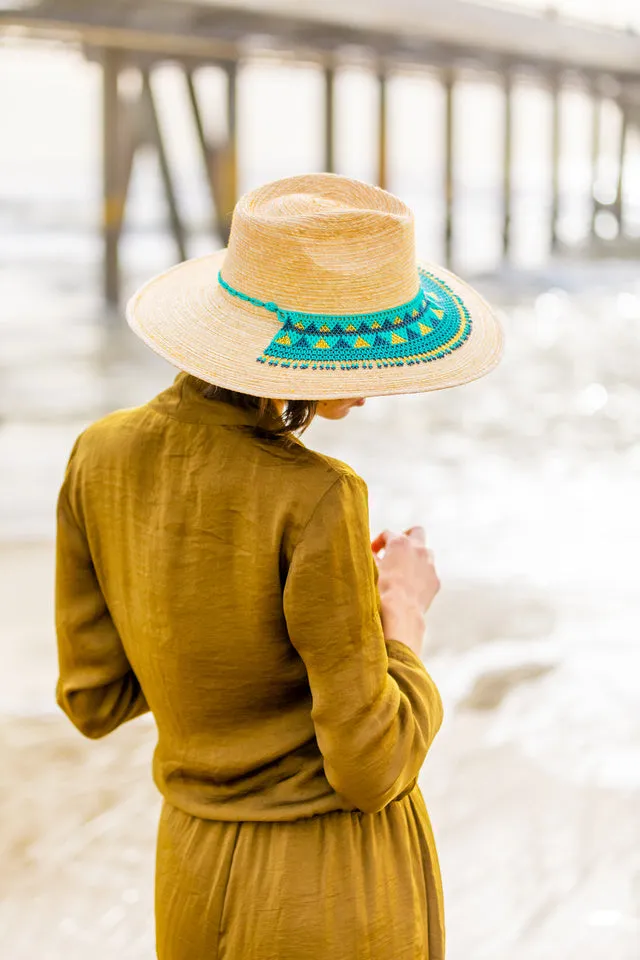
<point>323,243</point>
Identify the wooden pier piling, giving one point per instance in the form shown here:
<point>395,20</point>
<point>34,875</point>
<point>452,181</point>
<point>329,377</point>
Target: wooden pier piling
<point>113,199</point>
<point>329,119</point>
<point>622,156</point>
<point>448,88</point>
<point>507,173</point>
<point>596,125</point>
<point>382,129</point>
<point>556,148</point>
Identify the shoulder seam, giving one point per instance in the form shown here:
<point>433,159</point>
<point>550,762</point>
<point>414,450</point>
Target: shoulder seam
<point>339,478</point>
<point>336,466</point>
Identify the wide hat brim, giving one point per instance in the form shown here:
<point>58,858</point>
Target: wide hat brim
<point>187,318</point>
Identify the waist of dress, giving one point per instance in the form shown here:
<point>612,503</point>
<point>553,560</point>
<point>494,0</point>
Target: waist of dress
<point>269,805</point>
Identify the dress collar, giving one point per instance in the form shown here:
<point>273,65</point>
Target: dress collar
<point>183,400</point>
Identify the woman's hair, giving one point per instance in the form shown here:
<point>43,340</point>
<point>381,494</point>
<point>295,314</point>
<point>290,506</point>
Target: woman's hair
<point>295,418</point>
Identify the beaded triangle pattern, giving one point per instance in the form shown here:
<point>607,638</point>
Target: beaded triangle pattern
<point>431,325</point>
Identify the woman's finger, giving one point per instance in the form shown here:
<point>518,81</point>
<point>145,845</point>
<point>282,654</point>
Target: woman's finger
<point>381,540</point>
<point>417,533</point>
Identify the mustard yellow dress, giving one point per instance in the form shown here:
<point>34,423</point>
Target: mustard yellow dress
<point>227,584</point>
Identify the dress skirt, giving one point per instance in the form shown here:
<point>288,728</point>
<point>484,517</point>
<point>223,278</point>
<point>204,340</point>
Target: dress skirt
<point>336,886</point>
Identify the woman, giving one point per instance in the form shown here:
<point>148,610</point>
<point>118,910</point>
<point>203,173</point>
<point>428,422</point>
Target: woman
<point>215,571</point>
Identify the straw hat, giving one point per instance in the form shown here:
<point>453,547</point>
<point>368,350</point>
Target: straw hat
<point>319,295</point>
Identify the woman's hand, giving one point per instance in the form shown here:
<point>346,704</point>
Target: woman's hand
<point>407,584</point>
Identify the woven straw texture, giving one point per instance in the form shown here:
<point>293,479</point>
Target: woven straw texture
<point>316,244</point>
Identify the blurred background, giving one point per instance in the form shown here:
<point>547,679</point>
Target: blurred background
<point>127,132</point>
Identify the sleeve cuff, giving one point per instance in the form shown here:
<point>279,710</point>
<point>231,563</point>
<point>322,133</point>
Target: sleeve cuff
<point>400,651</point>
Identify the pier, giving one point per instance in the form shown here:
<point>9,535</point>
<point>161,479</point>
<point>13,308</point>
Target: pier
<point>446,38</point>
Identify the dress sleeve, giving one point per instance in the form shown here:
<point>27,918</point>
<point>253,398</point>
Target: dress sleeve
<point>96,687</point>
<point>375,708</point>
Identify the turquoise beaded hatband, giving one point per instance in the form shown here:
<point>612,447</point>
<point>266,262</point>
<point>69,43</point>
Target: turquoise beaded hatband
<point>434,323</point>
